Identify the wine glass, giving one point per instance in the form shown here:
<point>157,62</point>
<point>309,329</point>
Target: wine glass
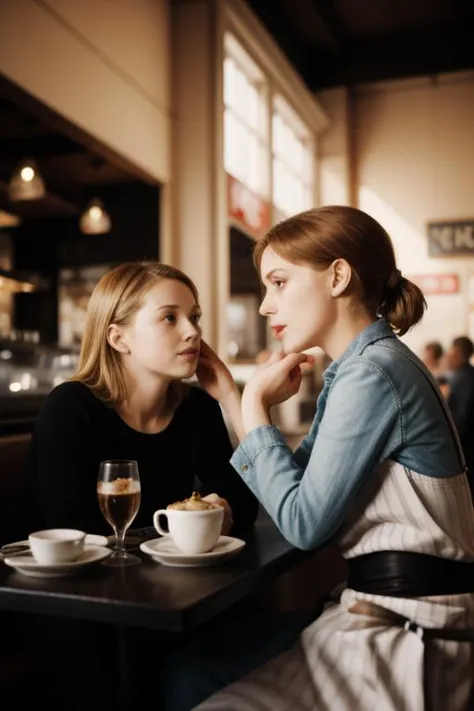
<point>119,493</point>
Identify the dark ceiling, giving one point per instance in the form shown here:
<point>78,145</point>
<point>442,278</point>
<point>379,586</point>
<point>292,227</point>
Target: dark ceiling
<point>330,43</point>
<point>74,166</point>
<point>346,42</point>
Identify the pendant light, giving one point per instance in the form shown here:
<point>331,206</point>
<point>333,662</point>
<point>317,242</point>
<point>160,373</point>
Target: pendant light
<point>26,183</point>
<point>95,220</point>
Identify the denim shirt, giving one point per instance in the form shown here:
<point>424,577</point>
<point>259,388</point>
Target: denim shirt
<point>378,403</point>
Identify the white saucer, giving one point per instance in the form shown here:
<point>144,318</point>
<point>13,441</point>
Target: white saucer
<point>164,551</point>
<point>26,564</point>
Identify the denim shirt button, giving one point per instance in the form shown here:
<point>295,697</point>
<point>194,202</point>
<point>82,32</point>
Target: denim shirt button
<point>245,468</point>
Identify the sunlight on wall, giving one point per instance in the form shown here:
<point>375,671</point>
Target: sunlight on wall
<point>410,244</point>
<point>412,258</point>
<point>333,188</point>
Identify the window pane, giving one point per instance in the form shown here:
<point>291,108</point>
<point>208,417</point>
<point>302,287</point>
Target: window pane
<point>253,163</point>
<point>229,82</point>
<point>252,106</point>
<point>292,166</point>
<point>308,165</point>
<point>245,155</point>
<point>278,186</point>
<point>240,152</point>
<point>287,152</point>
<point>276,128</point>
<point>229,142</point>
<point>290,194</point>
<point>298,158</point>
<point>308,199</point>
<point>246,119</point>
<point>240,93</point>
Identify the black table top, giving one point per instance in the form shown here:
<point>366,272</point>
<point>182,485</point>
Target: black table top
<point>151,595</point>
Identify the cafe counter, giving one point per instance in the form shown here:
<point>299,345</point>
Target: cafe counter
<point>28,372</point>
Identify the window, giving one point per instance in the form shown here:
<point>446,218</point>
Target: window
<point>245,119</point>
<point>292,157</point>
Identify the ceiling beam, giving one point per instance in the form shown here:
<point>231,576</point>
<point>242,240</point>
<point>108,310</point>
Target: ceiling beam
<point>60,124</point>
<point>283,33</point>
<point>396,56</point>
<point>37,147</point>
<point>331,25</point>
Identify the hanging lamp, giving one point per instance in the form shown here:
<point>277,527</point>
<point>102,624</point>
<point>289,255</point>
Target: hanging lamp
<point>26,183</point>
<point>95,220</point>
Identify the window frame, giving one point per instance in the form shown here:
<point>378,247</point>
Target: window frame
<point>235,52</point>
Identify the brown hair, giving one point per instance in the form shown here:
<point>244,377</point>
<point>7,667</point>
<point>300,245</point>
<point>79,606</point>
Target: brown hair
<point>116,298</point>
<point>435,348</point>
<point>320,236</point>
<point>465,347</point>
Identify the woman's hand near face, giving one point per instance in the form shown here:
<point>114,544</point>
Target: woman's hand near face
<point>216,379</point>
<point>272,383</point>
<point>213,375</point>
<point>278,379</point>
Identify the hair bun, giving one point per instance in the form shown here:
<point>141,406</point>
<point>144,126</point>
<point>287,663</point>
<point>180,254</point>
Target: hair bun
<point>395,279</point>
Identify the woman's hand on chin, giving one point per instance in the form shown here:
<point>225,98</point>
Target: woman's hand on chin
<point>272,383</point>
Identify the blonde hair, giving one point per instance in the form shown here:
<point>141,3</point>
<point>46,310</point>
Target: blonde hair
<point>320,236</point>
<point>116,298</point>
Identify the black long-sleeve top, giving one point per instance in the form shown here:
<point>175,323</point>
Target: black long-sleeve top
<point>75,431</point>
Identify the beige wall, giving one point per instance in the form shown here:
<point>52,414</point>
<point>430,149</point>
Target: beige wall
<point>334,165</point>
<point>104,64</point>
<point>412,148</point>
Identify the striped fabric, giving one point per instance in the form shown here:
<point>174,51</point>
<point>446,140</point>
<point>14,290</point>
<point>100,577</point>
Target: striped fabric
<point>346,662</point>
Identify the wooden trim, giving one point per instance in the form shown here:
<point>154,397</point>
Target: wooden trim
<point>262,47</point>
<point>62,125</point>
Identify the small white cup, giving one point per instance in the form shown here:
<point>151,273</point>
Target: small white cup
<point>57,545</point>
<point>192,531</point>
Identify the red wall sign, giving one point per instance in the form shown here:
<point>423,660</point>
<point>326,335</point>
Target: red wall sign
<point>436,283</point>
<point>247,208</point>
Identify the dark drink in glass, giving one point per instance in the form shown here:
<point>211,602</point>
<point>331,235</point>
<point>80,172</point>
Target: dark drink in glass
<point>118,493</point>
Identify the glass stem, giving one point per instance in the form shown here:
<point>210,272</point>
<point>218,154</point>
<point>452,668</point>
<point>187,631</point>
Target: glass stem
<point>120,541</point>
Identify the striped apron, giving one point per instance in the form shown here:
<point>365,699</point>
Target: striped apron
<point>345,662</point>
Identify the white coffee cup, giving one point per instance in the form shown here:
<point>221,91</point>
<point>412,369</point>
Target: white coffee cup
<point>57,545</point>
<point>194,531</point>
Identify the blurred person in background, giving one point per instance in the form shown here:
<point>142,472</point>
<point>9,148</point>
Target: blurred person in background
<point>461,397</point>
<point>433,356</point>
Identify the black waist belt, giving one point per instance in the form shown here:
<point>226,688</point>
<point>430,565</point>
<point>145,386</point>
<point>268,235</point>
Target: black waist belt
<point>406,574</point>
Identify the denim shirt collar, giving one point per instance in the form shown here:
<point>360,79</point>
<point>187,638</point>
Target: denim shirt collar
<point>375,332</point>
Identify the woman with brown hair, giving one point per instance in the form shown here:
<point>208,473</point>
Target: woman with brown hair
<point>381,473</point>
<point>127,400</point>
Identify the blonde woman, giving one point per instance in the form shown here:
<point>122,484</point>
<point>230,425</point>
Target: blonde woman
<point>127,400</point>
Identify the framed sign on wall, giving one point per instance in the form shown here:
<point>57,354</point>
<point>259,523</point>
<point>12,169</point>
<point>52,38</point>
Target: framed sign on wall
<point>436,283</point>
<point>455,237</point>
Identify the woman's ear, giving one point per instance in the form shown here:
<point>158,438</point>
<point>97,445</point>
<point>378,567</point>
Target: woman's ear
<point>115,338</point>
<point>341,275</point>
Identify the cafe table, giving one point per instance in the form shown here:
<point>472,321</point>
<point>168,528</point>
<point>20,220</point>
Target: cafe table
<point>153,596</point>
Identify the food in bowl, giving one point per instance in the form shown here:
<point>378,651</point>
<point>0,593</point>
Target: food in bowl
<point>194,503</point>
